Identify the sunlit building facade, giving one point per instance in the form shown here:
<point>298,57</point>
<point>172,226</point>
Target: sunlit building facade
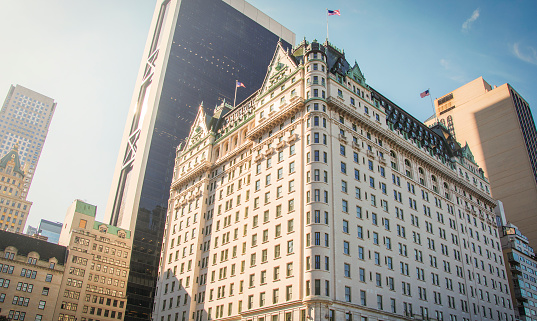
<point>318,198</point>
<point>31,271</point>
<point>96,271</point>
<point>497,124</point>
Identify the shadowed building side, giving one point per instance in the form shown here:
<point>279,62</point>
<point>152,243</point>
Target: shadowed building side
<point>497,124</point>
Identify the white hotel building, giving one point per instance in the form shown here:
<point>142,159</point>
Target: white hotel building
<point>319,199</point>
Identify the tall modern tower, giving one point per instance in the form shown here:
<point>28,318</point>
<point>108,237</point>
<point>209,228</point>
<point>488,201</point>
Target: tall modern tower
<point>196,50</point>
<point>497,124</point>
<point>24,120</point>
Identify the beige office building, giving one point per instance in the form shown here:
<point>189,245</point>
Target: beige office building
<point>497,124</point>
<point>31,272</point>
<point>26,116</point>
<point>97,269</point>
<point>319,199</point>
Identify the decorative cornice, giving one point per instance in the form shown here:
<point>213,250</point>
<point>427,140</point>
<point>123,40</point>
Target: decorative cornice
<point>294,104</point>
<point>184,178</point>
<point>407,147</point>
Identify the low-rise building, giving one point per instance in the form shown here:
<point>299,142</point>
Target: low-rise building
<point>521,266</point>
<point>97,269</point>
<point>30,230</point>
<point>31,272</point>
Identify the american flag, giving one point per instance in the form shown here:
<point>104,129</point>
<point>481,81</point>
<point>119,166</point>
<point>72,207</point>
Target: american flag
<point>424,94</point>
<point>240,84</point>
<point>334,12</point>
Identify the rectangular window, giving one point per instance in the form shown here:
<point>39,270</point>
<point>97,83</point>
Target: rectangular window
<point>348,297</point>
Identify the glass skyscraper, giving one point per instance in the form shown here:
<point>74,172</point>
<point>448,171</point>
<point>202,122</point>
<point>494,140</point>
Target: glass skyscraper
<point>51,230</point>
<point>195,53</point>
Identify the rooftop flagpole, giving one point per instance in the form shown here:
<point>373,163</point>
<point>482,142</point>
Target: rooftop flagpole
<point>330,13</point>
<point>428,93</point>
<point>235,99</point>
<point>432,104</point>
<point>237,85</point>
<point>326,24</point>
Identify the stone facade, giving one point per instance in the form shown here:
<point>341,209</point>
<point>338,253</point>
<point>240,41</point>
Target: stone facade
<point>320,199</point>
<point>31,271</point>
<point>96,272</point>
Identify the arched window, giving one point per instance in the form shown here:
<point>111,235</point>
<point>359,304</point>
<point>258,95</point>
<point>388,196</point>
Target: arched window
<point>435,183</point>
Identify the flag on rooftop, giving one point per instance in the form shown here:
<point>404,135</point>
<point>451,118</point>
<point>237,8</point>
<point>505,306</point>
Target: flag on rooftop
<point>424,94</point>
<point>240,84</point>
<point>334,12</point>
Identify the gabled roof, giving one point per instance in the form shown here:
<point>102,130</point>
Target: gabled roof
<point>13,155</point>
<point>467,153</point>
<point>199,129</point>
<point>282,64</point>
<point>356,74</point>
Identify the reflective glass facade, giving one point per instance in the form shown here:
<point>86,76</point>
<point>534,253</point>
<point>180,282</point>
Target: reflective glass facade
<point>51,230</point>
<point>213,45</point>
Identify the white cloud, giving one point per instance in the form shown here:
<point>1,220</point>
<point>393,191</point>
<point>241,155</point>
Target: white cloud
<point>453,71</point>
<point>468,23</point>
<point>525,53</point>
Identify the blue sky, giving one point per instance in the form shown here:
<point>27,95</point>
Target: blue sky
<point>405,47</point>
<point>86,55</point>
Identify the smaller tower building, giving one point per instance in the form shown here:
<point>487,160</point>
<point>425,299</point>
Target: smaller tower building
<point>14,207</point>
